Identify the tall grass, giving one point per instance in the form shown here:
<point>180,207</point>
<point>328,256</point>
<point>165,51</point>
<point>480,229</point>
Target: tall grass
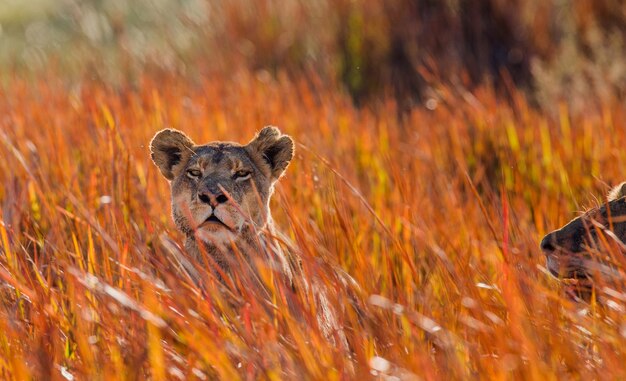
<point>436,214</point>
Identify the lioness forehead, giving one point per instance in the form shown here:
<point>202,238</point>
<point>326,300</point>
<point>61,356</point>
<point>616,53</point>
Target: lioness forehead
<point>221,154</point>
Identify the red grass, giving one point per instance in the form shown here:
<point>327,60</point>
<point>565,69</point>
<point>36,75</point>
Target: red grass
<point>436,215</point>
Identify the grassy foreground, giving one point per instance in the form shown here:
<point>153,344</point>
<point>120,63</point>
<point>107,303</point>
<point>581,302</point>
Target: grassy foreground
<point>436,214</point>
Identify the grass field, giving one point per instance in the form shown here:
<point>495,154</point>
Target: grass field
<point>436,213</point>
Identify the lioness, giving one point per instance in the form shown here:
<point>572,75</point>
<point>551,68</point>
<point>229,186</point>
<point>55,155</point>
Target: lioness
<point>220,195</point>
<point>221,190</point>
<point>567,249</point>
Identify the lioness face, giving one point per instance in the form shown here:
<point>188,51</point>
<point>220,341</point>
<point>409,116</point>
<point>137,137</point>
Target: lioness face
<point>220,188</point>
<point>567,249</point>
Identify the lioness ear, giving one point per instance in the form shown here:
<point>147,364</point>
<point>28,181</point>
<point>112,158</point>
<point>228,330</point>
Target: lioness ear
<point>170,150</point>
<point>618,192</point>
<point>273,148</point>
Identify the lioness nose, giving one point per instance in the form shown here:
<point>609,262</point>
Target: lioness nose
<point>547,243</point>
<point>213,199</point>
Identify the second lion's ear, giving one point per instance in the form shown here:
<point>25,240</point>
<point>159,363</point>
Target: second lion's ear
<point>170,150</point>
<point>274,149</point>
<point>618,192</point>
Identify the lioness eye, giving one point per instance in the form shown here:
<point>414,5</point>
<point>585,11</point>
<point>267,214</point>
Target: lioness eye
<point>240,175</point>
<point>193,173</point>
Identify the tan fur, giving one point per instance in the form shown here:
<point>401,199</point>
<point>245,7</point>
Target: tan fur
<point>568,249</point>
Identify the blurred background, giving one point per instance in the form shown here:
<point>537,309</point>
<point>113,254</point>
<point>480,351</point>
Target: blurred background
<point>554,51</point>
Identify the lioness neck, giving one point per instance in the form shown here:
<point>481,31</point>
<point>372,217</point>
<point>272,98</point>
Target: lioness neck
<point>240,250</point>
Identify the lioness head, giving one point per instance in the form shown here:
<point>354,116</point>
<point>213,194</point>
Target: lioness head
<point>220,189</point>
<point>567,249</point>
